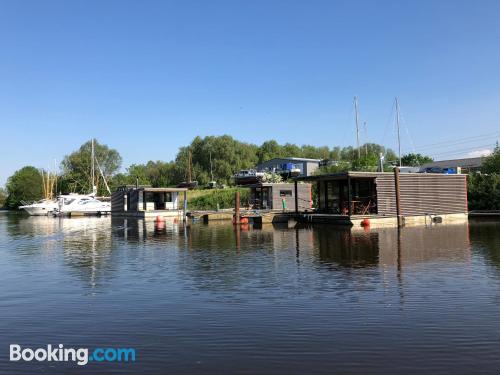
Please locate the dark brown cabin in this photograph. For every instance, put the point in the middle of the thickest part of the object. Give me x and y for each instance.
(272, 196)
(374, 193)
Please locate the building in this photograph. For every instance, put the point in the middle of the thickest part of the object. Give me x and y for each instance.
(351, 197)
(454, 166)
(145, 201)
(300, 166)
(280, 196)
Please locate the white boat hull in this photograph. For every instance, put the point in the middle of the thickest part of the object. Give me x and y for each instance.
(40, 208)
(37, 211)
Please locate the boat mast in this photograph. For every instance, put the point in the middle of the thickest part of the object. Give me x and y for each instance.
(93, 167)
(211, 169)
(366, 139)
(398, 128)
(189, 166)
(357, 124)
(102, 175)
(55, 177)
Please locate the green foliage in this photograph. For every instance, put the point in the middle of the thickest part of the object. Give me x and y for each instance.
(208, 199)
(491, 164)
(484, 191)
(24, 185)
(3, 197)
(77, 168)
(335, 167)
(227, 154)
(415, 160)
(367, 163)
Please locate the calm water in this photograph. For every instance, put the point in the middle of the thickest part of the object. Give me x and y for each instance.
(207, 299)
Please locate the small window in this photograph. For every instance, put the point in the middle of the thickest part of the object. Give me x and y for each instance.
(285, 193)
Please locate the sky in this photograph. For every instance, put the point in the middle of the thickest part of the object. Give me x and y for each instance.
(146, 77)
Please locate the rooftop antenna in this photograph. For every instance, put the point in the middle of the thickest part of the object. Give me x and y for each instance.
(398, 128)
(211, 169)
(93, 166)
(357, 124)
(189, 165)
(366, 139)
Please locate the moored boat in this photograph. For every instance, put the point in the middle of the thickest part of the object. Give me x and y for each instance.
(248, 176)
(40, 208)
(76, 204)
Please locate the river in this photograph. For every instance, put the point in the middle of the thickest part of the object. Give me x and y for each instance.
(209, 299)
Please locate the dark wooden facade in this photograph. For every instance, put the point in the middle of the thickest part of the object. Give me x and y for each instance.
(365, 193)
(270, 196)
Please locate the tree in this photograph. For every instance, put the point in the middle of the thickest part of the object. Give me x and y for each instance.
(3, 197)
(483, 191)
(415, 160)
(270, 150)
(491, 164)
(24, 185)
(228, 156)
(77, 175)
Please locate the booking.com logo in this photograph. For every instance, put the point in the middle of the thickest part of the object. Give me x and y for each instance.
(81, 356)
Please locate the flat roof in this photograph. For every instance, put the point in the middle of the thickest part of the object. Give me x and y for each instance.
(356, 174)
(164, 190)
(340, 175)
(154, 190)
(267, 184)
(453, 163)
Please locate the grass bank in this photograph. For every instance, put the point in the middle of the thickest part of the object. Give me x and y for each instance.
(209, 198)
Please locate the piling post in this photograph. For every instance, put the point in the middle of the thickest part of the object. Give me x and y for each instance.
(397, 187)
(349, 197)
(185, 205)
(296, 192)
(237, 208)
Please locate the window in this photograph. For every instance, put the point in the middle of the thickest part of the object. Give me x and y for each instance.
(285, 193)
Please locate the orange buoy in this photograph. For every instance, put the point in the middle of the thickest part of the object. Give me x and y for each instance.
(365, 223)
(160, 219)
(244, 220)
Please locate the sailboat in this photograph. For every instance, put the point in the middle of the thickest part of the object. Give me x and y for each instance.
(77, 204)
(190, 184)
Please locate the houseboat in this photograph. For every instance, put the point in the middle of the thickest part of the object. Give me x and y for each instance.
(387, 199)
(149, 202)
(280, 197)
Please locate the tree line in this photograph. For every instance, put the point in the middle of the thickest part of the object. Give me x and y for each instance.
(217, 156)
(484, 188)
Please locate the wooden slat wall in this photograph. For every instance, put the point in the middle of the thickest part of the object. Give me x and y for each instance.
(117, 201)
(134, 200)
(304, 196)
(423, 194)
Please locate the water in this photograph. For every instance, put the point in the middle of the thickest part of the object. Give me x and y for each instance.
(209, 300)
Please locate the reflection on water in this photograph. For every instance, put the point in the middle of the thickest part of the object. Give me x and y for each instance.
(214, 298)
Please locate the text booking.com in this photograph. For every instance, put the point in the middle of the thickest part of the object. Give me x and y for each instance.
(80, 356)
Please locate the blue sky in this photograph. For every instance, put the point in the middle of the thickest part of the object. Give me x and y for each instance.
(145, 77)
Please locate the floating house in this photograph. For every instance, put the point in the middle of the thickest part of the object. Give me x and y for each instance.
(296, 167)
(387, 199)
(280, 196)
(145, 201)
